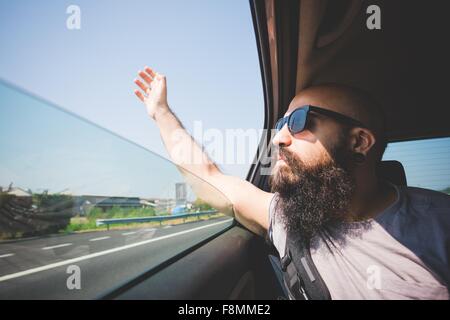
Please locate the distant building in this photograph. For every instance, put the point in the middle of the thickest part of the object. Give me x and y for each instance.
(180, 194)
(18, 192)
(122, 202)
(86, 202)
(164, 205)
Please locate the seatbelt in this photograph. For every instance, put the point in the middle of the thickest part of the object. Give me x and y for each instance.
(301, 278)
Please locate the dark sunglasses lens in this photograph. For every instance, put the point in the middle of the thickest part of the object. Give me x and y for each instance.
(280, 124)
(297, 120)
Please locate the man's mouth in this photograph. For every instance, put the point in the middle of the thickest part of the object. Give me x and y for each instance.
(281, 158)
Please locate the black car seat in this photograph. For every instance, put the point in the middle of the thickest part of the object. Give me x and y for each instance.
(393, 172)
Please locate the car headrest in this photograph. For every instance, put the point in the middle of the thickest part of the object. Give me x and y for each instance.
(393, 172)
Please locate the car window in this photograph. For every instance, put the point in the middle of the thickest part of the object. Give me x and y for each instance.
(426, 162)
(85, 209)
(79, 201)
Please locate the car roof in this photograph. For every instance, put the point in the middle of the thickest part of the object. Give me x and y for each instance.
(403, 65)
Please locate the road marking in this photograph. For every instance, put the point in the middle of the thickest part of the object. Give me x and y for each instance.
(6, 255)
(128, 233)
(151, 229)
(98, 239)
(102, 253)
(57, 246)
(167, 227)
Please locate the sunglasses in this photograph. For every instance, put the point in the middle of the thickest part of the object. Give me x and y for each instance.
(298, 118)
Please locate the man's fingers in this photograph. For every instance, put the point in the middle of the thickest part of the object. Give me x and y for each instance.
(139, 95)
(146, 77)
(141, 85)
(150, 72)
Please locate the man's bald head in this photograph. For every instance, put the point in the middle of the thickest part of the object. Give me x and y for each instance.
(348, 101)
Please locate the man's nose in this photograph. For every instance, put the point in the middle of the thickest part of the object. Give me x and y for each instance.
(283, 138)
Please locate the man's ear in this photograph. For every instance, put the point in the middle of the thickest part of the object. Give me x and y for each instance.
(361, 140)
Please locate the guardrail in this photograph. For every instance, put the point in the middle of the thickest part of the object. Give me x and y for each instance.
(160, 219)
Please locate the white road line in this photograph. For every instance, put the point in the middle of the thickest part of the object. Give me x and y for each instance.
(6, 255)
(102, 253)
(151, 229)
(167, 227)
(98, 239)
(128, 233)
(57, 246)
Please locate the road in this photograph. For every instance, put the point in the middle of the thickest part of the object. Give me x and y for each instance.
(38, 268)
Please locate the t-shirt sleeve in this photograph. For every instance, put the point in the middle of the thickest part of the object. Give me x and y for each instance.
(276, 232)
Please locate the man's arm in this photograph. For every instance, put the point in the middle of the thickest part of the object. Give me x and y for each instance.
(250, 204)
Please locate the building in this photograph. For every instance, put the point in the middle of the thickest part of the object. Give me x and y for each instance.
(180, 194)
(86, 202)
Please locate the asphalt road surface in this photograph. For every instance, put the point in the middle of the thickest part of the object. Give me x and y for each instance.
(39, 268)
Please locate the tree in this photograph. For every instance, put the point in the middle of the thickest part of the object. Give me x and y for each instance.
(446, 190)
(201, 205)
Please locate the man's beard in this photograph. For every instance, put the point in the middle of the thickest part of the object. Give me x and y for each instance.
(313, 198)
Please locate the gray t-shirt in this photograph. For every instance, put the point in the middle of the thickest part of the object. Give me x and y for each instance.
(392, 256)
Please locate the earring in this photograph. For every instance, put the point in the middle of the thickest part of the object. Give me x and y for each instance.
(359, 157)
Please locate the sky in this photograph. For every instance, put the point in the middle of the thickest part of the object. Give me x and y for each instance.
(207, 50)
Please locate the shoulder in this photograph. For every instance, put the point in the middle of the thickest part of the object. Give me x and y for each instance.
(420, 220)
(429, 199)
(426, 206)
(418, 208)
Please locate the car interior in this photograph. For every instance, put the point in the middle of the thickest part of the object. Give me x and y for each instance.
(302, 43)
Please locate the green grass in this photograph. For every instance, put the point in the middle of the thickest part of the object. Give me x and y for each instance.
(88, 223)
(80, 226)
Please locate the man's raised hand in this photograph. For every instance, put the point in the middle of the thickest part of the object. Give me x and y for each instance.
(153, 91)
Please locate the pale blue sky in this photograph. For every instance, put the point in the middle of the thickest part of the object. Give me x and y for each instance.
(206, 49)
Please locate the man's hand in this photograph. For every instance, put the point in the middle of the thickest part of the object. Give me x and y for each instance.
(154, 93)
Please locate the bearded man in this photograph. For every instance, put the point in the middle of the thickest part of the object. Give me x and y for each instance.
(326, 190)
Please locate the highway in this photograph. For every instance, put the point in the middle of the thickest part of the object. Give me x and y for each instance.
(38, 268)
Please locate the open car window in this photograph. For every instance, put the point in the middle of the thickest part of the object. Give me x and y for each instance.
(83, 210)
